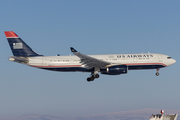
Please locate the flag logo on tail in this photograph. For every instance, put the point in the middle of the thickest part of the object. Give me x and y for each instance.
(17, 46)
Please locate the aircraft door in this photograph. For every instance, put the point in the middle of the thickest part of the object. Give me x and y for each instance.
(160, 58)
(44, 61)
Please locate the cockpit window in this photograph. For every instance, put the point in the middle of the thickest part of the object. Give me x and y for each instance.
(168, 57)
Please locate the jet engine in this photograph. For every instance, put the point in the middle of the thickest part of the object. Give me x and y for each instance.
(115, 70)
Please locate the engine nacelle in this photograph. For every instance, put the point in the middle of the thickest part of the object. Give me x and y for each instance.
(115, 70)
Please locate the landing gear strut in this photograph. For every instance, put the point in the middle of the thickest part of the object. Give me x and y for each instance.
(157, 73)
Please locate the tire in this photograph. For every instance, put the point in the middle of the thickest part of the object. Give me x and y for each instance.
(96, 76)
(157, 74)
(88, 79)
(92, 78)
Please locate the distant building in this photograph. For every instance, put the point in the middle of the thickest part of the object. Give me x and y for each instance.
(163, 116)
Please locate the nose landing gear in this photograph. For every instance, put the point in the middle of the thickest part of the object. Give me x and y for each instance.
(157, 73)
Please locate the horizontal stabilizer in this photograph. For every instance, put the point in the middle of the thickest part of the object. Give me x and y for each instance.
(18, 59)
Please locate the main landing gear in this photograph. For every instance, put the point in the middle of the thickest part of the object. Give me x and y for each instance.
(157, 73)
(92, 77)
(94, 74)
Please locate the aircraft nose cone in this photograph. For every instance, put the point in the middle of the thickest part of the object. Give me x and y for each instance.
(174, 61)
(171, 62)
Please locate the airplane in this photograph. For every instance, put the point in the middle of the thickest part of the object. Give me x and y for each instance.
(110, 64)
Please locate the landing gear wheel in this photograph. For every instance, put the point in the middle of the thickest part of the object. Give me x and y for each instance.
(157, 74)
(92, 78)
(88, 79)
(96, 76)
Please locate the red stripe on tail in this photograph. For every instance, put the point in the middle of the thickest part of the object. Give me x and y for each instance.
(10, 34)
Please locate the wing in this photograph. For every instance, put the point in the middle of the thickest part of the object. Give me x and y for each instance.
(88, 61)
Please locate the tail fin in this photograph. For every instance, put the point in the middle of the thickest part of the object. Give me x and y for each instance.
(18, 46)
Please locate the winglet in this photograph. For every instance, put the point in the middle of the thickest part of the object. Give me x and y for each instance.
(73, 50)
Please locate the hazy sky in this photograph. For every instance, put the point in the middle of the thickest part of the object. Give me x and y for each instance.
(91, 27)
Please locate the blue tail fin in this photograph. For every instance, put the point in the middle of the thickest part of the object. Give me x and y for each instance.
(18, 46)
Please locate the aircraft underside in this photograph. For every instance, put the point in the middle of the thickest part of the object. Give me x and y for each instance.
(93, 76)
(82, 69)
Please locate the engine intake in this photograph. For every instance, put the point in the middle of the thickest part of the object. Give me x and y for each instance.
(115, 70)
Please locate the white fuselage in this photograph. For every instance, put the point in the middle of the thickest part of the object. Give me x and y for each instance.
(133, 61)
